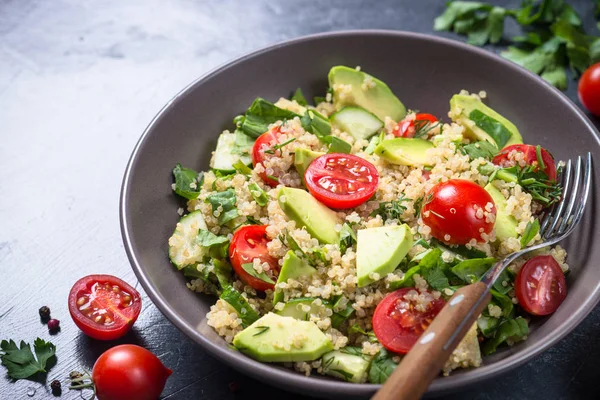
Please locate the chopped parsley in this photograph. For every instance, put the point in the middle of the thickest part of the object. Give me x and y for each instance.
(391, 209)
(187, 182)
(226, 200)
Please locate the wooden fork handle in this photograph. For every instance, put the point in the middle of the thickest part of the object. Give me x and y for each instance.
(427, 357)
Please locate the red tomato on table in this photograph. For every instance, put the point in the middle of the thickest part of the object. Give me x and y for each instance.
(341, 180)
(250, 242)
(398, 323)
(455, 211)
(530, 156)
(540, 285)
(104, 307)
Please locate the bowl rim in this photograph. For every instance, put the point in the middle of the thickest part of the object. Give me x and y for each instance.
(316, 385)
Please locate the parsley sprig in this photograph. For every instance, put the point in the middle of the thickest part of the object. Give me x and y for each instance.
(390, 209)
(20, 361)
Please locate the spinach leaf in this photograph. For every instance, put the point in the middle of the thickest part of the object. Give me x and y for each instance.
(487, 325)
(340, 316)
(298, 96)
(531, 230)
(483, 149)
(504, 277)
(249, 268)
(260, 115)
(226, 200)
(381, 367)
(316, 124)
(426, 264)
(187, 182)
(472, 270)
(217, 245)
(240, 304)
(339, 146)
(492, 127)
(504, 302)
(242, 144)
(511, 329)
(259, 195)
(347, 238)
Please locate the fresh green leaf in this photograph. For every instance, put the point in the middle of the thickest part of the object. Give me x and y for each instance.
(339, 146)
(483, 149)
(381, 367)
(217, 245)
(436, 278)
(242, 144)
(249, 268)
(340, 316)
(511, 329)
(487, 325)
(427, 263)
(504, 302)
(418, 204)
(259, 195)
(242, 168)
(472, 270)
(20, 361)
(260, 115)
(504, 277)
(407, 280)
(347, 238)
(462, 251)
(187, 182)
(273, 149)
(298, 96)
(225, 199)
(491, 126)
(357, 329)
(390, 209)
(353, 351)
(482, 22)
(316, 124)
(240, 304)
(531, 230)
(533, 181)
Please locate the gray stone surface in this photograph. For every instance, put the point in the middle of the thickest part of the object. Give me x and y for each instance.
(79, 81)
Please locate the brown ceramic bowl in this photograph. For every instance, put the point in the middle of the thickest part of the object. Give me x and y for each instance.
(186, 129)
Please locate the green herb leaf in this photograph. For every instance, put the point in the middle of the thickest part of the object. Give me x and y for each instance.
(187, 182)
(512, 329)
(483, 149)
(242, 168)
(240, 304)
(316, 124)
(482, 22)
(531, 230)
(226, 200)
(347, 238)
(382, 367)
(339, 146)
(20, 361)
(278, 146)
(504, 302)
(249, 268)
(390, 209)
(298, 96)
(242, 144)
(352, 350)
(217, 245)
(347, 375)
(259, 195)
(472, 270)
(261, 330)
(260, 115)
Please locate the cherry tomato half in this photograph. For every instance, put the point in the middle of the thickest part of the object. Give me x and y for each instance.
(540, 285)
(129, 372)
(504, 159)
(397, 322)
(407, 128)
(104, 307)
(341, 180)
(250, 242)
(589, 89)
(262, 151)
(455, 211)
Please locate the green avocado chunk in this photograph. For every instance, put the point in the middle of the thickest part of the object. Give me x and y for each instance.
(506, 224)
(405, 151)
(309, 213)
(303, 158)
(274, 338)
(380, 250)
(348, 364)
(363, 90)
(483, 123)
(293, 267)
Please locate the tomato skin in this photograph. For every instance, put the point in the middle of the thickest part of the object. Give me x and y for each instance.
(589, 89)
(397, 328)
(91, 287)
(530, 152)
(540, 285)
(264, 142)
(406, 128)
(250, 242)
(129, 372)
(450, 208)
(341, 181)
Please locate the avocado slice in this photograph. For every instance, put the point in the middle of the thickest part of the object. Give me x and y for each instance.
(483, 123)
(405, 151)
(293, 267)
(293, 308)
(506, 224)
(274, 338)
(348, 364)
(380, 250)
(365, 91)
(309, 213)
(303, 158)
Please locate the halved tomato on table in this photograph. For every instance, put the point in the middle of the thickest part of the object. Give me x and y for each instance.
(104, 307)
(408, 128)
(262, 150)
(399, 320)
(250, 242)
(341, 180)
(540, 285)
(543, 161)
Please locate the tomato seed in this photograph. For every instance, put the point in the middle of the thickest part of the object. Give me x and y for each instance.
(116, 289)
(81, 301)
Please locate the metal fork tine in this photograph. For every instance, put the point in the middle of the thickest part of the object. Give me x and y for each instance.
(554, 211)
(587, 183)
(574, 197)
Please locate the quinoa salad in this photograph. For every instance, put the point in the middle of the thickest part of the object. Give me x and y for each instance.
(332, 234)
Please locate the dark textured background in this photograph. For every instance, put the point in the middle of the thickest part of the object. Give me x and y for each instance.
(79, 81)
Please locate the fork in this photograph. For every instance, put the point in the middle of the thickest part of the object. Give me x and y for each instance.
(427, 357)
